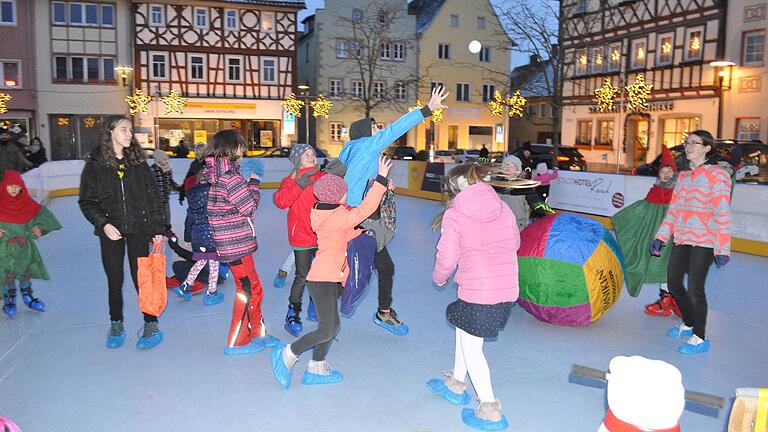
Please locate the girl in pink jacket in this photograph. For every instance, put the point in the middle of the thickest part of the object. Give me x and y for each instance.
(479, 234)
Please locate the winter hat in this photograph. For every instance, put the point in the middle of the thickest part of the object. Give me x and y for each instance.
(161, 160)
(297, 151)
(514, 160)
(334, 166)
(330, 189)
(667, 159)
(360, 128)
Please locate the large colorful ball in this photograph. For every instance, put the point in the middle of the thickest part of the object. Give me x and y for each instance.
(571, 270)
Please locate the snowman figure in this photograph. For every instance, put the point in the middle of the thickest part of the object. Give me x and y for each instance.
(643, 395)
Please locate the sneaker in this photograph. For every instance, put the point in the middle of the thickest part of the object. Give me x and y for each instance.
(280, 279)
(150, 337)
(450, 389)
(320, 372)
(680, 331)
(487, 416)
(183, 291)
(213, 298)
(281, 368)
(311, 314)
(254, 347)
(116, 335)
(694, 345)
(390, 322)
(293, 320)
(663, 306)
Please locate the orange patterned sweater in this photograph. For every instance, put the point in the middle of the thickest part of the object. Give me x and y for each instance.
(700, 211)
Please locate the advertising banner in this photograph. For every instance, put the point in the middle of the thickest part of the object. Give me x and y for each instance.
(585, 192)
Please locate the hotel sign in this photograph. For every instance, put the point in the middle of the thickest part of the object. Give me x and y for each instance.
(654, 107)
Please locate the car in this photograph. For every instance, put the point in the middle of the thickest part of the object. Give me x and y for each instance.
(399, 152)
(443, 156)
(284, 152)
(568, 158)
(461, 155)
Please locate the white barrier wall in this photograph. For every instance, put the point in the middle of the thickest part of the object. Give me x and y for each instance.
(749, 207)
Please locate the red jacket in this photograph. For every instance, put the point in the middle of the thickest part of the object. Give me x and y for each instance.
(299, 203)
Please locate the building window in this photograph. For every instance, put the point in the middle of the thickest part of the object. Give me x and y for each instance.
(382, 17)
(269, 70)
(638, 54)
(753, 48)
(107, 15)
(434, 84)
(357, 89)
(268, 22)
(462, 92)
(378, 89)
(93, 65)
(581, 63)
(665, 49)
(201, 18)
(357, 15)
(604, 133)
(60, 69)
(581, 7)
(675, 130)
(488, 92)
(156, 16)
(385, 51)
(357, 49)
(109, 69)
(694, 43)
(91, 15)
(400, 93)
(196, 67)
(11, 75)
(485, 54)
(230, 22)
(8, 12)
(542, 110)
(95, 70)
(76, 13)
(341, 48)
(598, 60)
(584, 132)
(614, 60)
(335, 88)
(335, 132)
(159, 66)
(444, 51)
(398, 51)
(481, 22)
(59, 13)
(234, 69)
(454, 20)
(748, 129)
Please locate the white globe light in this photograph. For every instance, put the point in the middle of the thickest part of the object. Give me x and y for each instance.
(475, 46)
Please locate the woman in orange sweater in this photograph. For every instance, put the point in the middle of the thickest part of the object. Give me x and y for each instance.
(334, 222)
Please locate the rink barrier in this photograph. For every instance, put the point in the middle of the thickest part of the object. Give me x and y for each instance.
(749, 207)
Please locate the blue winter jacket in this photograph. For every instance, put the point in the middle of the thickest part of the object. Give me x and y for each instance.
(197, 230)
(361, 155)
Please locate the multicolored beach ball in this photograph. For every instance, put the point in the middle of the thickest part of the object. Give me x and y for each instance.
(571, 270)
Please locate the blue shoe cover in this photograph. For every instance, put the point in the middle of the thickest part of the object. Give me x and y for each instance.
(438, 387)
(311, 314)
(116, 341)
(293, 322)
(279, 369)
(398, 330)
(694, 349)
(311, 379)
(268, 341)
(212, 299)
(33, 303)
(279, 282)
(10, 310)
(150, 342)
(223, 271)
(182, 292)
(252, 348)
(675, 332)
(470, 419)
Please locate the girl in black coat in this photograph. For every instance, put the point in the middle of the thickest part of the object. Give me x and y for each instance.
(119, 196)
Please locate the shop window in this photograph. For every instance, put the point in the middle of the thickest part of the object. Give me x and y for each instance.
(584, 133)
(604, 133)
(676, 130)
(748, 129)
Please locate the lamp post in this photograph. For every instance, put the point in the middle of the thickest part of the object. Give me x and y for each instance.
(720, 68)
(304, 92)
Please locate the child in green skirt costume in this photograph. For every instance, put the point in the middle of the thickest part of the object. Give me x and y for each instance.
(22, 221)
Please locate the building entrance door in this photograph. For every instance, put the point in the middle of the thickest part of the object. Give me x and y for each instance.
(636, 140)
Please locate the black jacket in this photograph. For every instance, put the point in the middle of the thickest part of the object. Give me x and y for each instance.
(132, 204)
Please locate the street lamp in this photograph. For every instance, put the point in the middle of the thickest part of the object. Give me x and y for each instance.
(720, 67)
(304, 92)
(123, 71)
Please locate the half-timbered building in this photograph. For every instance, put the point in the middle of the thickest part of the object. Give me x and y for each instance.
(669, 43)
(233, 60)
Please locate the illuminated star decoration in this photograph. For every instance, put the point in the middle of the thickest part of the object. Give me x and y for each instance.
(496, 105)
(138, 102)
(4, 99)
(89, 122)
(516, 104)
(293, 105)
(174, 103)
(606, 96)
(637, 94)
(321, 107)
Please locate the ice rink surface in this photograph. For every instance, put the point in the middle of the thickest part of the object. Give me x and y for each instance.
(57, 375)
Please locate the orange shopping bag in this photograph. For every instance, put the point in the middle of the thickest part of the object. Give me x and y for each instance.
(153, 295)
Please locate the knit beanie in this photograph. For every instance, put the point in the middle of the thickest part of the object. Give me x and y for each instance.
(514, 160)
(360, 128)
(297, 151)
(330, 189)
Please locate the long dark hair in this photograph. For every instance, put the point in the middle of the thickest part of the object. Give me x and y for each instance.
(228, 143)
(134, 154)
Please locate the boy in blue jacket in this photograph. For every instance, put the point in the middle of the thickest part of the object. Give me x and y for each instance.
(361, 154)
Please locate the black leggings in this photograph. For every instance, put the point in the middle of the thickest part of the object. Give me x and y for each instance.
(112, 257)
(694, 261)
(303, 262)
(385, 269)
(326, 297)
